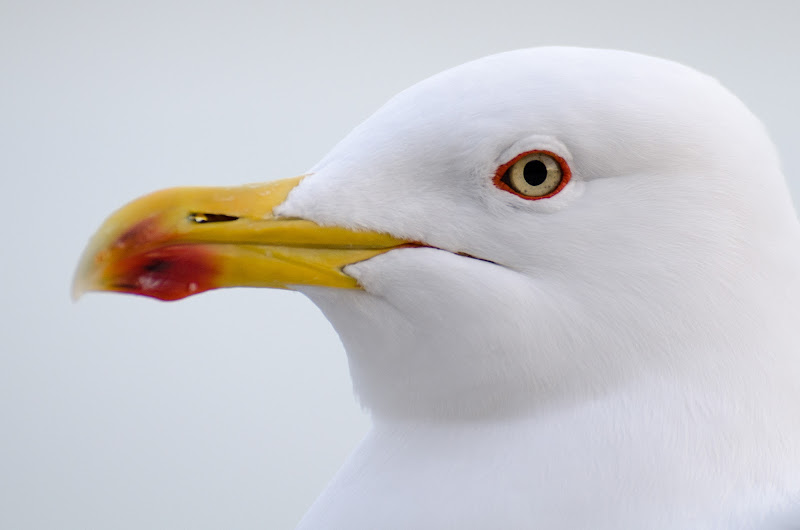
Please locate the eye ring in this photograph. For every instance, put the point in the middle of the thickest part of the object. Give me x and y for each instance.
(533, 175)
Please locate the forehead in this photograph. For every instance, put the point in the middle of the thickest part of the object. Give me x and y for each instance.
(606, 106)
(551, 88)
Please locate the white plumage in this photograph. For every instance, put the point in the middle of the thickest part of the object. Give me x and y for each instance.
(621, 355)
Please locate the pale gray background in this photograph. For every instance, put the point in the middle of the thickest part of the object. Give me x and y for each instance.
(232, 409)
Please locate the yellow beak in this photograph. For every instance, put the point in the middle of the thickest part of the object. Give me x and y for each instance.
(182, 241)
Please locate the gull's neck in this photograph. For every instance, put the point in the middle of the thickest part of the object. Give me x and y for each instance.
(649, 456)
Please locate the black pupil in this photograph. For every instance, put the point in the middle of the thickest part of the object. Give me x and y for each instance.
(535, 172)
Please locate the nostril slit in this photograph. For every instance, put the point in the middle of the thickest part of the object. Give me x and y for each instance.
(200, 218)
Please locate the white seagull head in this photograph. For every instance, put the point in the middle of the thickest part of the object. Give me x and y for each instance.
(657, 247)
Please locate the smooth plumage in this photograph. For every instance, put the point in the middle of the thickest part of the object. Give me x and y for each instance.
(568, 284)
(621, 355)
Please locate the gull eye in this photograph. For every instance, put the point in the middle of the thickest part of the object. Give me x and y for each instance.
(533, 175)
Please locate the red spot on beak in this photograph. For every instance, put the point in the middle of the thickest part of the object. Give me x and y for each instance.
(167, 273)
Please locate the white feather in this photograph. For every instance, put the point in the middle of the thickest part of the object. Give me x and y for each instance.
(627, 355)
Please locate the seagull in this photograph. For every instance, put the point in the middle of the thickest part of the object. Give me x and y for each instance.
(568, 284)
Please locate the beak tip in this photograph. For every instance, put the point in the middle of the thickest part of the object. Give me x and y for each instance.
(79, 287)
(82, 280)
